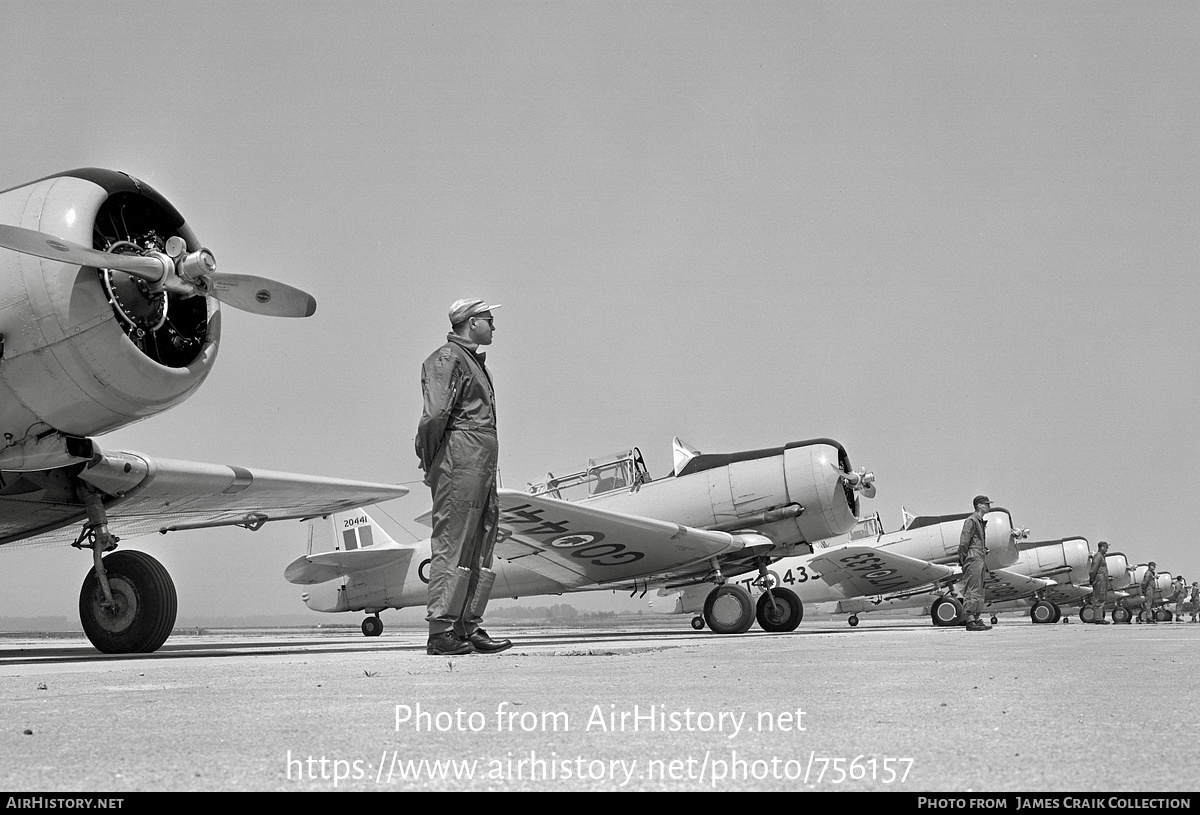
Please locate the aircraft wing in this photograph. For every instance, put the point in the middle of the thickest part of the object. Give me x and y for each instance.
(866, 570)
(143, 494)
(577, 545)
(1065, 594)
(1002, 585)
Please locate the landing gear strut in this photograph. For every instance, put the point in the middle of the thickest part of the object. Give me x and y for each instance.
(128, 603)
(779, 609)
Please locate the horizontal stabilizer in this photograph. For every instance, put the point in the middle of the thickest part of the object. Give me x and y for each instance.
(312, 569)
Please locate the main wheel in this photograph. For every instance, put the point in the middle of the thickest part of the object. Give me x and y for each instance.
(1087, 614)
(853, 621)
(1057, 612)
(946, 611)
(728, 609)
(1121, 614)
(144, 605)
(372, 627)
(782, 615)
(1042, 612)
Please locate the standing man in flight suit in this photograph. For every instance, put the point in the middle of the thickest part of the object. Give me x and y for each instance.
(1149, 592)
(1099, 581)
(972, 550)
(456, 443)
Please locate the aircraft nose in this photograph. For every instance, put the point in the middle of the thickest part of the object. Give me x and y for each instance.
(998, 536)
(815, 473)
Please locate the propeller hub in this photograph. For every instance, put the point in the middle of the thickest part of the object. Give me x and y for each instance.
(196, 265)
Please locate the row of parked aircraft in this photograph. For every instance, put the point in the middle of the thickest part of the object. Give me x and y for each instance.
(109, 313)
(728, 539)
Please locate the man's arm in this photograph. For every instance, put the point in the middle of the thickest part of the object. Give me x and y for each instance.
(440, 379)
(964, 540)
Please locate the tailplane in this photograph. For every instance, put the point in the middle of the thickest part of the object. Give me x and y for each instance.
(341, 544)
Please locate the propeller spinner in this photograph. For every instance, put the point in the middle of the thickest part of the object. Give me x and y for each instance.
(186, 274)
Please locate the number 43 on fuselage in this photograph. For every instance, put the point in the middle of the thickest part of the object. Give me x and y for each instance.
(611, 526)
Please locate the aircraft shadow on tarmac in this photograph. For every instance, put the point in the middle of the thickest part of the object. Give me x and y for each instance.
(233, 645)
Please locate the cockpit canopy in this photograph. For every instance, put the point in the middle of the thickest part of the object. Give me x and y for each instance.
(617, 471)
(869, 527)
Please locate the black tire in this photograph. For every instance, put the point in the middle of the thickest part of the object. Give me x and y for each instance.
(372, 627)
(1121, 615)
(145, 600)
(946, 611)
(698, 623)
(994, 619)
(783, 615)
(1087, 614)
(1057, 612)
(1042, 612)
(728, 609)
(853, 621)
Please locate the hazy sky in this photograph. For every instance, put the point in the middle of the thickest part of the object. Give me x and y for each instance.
(959, 238)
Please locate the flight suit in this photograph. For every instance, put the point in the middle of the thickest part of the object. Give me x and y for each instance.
(456, 443)
(972, 550)
(1149, 593)
(1099, 581)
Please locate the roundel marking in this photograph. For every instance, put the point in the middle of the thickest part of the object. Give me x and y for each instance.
(578, 539)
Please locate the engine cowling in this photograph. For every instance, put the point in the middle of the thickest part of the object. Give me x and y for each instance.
(86, 351)
(1118, 570)
(1001, 537)
(1066, 560)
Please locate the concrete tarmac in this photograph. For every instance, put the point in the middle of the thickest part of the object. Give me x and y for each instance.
(885, 706)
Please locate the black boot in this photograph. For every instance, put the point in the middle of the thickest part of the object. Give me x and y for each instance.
(485, 644)
(448, 644)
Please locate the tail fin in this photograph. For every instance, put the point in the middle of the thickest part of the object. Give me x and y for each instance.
(340, 544)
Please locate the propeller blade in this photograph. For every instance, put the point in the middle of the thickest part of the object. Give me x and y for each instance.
(258, 295)
(30, 242)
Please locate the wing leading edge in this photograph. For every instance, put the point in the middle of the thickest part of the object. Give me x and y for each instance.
(144, 494)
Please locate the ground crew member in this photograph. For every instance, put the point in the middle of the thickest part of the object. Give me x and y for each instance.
(1194, 599)
(972, 549)
(1149, 592)
(1099, 580)
(1180, 595)
(456, 443)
